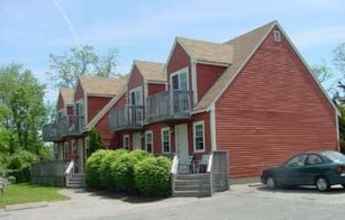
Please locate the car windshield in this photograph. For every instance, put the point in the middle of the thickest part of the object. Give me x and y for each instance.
(334, 156)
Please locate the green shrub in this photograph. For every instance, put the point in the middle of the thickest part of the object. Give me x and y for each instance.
(21, 175)
(122, 170)
(104, 169)
(152, 176)
(93, 164)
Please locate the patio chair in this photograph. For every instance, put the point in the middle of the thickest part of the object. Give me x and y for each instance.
(185, 165)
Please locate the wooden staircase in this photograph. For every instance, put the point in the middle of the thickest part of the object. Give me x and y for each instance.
(195, 185)
(214, 179)
(75, 181)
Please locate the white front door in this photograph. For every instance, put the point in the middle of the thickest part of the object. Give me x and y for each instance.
(181, 141)
(136, 140)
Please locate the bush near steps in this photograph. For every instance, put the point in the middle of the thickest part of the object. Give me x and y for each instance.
(131, 172)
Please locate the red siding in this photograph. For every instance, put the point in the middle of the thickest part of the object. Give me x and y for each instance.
(136, 79)
(79, 93)
(106, 134)
(154, 88)
(95, 104)
(179, 59)
(272, 110)
(195, 118)
(157, 143)
(206, 77)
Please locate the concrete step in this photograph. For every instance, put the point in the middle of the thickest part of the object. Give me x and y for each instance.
(192, 187)
(192, 177)
(191, 193)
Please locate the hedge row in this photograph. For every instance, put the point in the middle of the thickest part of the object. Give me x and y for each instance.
(131, 172)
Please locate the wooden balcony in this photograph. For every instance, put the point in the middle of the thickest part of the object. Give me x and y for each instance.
(168, 106)
(63, 126)
(76, 125)
(127, 118)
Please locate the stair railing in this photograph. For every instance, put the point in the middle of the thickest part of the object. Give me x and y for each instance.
(174, 166)
(69, 171)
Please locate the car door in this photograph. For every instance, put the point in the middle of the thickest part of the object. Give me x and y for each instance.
(314, 166)
(292, 173)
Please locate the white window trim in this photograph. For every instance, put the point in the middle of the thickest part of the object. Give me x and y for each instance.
(136, 89)
(145, 140)
(162, 139)
(203, 136)
(277, 36)
(123, 141)
(178, 72)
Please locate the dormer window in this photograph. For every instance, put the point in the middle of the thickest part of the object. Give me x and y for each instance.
(179, 80)
(277, 36)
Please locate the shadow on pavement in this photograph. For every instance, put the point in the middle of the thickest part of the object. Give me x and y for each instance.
(121, 196)
(303, 189)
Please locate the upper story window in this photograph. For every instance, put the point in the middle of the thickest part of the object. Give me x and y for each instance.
(165, 134)
(125, 141)
(148, 141)
(199, 136)
(179, 80)
(135, 96)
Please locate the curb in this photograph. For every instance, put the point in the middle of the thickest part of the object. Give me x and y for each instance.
(17, 207)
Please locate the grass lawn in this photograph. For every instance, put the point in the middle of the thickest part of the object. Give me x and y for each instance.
(24, 192)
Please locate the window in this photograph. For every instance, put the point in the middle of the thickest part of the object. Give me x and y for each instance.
(199, 136)
(314, 159)
(277, 36)
(135, 97)
(165, 133)
(125, 141)
(297, 161)
(179, 80)
(149, 141)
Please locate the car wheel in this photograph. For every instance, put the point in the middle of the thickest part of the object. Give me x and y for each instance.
(322, 184)
(270, 182)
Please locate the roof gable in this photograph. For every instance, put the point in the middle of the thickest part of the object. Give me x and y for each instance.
(151, 71)
(99, 86)
(206, 51)
(244, 48)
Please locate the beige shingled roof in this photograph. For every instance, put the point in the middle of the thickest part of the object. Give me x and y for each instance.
(67, 95)
(205, 51)
(243, 46)
(151, 71)
(102, 86)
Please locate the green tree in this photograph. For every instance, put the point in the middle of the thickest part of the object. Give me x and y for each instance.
(65, 69)
(95, 142)
(22, 110)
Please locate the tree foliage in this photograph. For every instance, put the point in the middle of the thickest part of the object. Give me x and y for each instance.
(95, 142)
(65, 69)
(22, 114)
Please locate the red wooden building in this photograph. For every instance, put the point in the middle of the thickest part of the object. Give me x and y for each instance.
(253, 96)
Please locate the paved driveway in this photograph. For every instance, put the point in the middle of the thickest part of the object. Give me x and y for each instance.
(241, 202)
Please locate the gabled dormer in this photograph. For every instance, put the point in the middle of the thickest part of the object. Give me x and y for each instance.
(196, 65)
(145, 79)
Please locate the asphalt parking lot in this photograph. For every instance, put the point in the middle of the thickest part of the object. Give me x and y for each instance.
(241, 202)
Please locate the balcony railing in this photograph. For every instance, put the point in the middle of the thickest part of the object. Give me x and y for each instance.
(168, 105)
(126, 118)
(63, 126)
(76, 124)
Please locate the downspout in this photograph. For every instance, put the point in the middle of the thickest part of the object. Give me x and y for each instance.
(212, 111)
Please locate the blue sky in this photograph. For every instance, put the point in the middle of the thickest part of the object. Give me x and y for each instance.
(32, 29)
